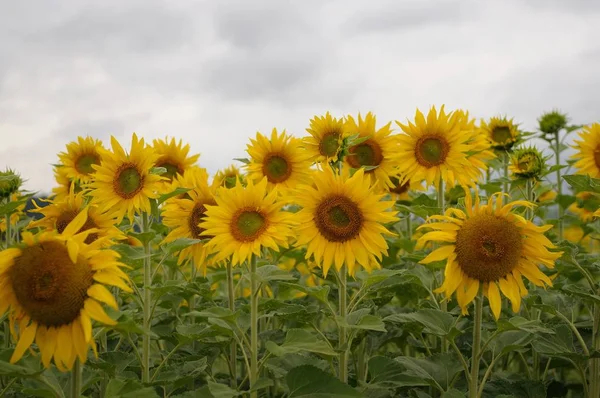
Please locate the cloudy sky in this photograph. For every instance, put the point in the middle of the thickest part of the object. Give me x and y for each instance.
(215, 72)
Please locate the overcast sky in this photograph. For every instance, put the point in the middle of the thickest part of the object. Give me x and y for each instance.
(215, 72)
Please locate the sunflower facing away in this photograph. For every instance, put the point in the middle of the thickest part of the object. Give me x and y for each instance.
(437, 148)
(123, 183)
(341, 221)
(489, 246)
(174, 157)
(184, 215)
(326, 136)
(65, 184)
(379, 153)
(228, 177)
(588, 151)
(79, 159)
(245, 220)
(59, 213)
(280, 159)
(502, 133)
(53, 286)
(585, 207)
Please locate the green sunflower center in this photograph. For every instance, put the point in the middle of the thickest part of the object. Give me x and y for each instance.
(128, 181)
(488, 247)
(338, 218)
(84, 163)
(67, 216)
(501, 135)
(48, 285)
(248, 224)
(329, 144)
(367, 153)
(276, 168)
(172, 169)
(431, 151)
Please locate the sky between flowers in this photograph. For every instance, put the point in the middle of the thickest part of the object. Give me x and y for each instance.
(215, 72)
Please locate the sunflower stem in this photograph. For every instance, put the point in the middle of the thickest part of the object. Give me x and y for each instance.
(441, 199)
(233, 346)
(475, 356)
(530, 198)
(76, 379)
(147, 302)
(253, 327)
(561, 211)
(343, 312)
(505, 188)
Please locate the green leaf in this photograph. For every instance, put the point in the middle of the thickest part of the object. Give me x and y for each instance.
(310, 382)
(438, 370)
(565, 200)
(321, 293)
(453, 393)
(11, 370)
(583, 183)
(221, 390)
(243, 160)
(176, 192)
(387, 373)
(158, 170)
(144, 237)
(121, 388)
(10, 207)
(525, 325)
(360, 319)
(179, 244)
(268, 273)
(580, 292)
(434, 321)
(215, 312)
(377, 276)
(300, 340)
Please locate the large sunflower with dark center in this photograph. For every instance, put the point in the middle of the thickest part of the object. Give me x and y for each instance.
(587, 157)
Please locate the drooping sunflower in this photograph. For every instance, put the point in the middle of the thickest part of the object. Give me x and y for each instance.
(502, 133)
(245, 220)
(123, 183)
(341, 220)
(438, 148)
(79, 159)
(588, 151)
(57, 214)
(379, 152)
(326, 136)
(281, 159)
(228, 177)
(184, 216)
(174, 157)
(65, 184)
(53, 286)
(489, 246)
(585, 206)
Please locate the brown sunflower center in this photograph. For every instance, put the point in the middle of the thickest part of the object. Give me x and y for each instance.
(248, 224)
(128, 181)
(488, 247)
(329, 144)
(398, 187)
(597, 156)
(84, 163)
(48, 285)
(67, 216)
(196, 217)
(367, 153)
(172, 168)
(276, 167)
(338, 219)
(431, 151)
(501, 134)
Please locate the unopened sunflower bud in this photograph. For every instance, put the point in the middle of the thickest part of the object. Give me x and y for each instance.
(527, 163)
(550, 123)
(10, 183)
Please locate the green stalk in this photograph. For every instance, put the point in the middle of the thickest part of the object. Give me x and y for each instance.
(343, 312)
(505, 188)
(561, 211)
(441, 199)
(478, 317)
(233, 346)
(76, 379)
(253, 327)
(147, 302)
(529, 192)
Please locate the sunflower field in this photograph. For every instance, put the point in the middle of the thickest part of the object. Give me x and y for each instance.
(436, 257)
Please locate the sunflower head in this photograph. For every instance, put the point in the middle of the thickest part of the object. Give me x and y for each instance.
(279, 159)
(547, 196)
(527, 163)
(10, 183)
(587, 157)
(52, 286)
(585, 206)
(489, 247)
(550, 123)
(80, 158)
(65, 184)
(502, 133)
(228, 177)
(326, 136)
(173, 156)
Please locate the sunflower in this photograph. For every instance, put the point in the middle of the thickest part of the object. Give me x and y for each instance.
(341, 220)
(245, 220)
(502, 133)
(280, 159)
(65, 184)
(527, 163)
(53, 286)
(548, 195)
(57, 214)
(481, 152)
(585, 206)
(10, 183)
(326, 136)
(438, 149)
(400, 189)
(123, 182)
(184, 215)
(174, 157)
(79, 159)
(491, 246)
(228, 177)
(379, 151)
(588, 151)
